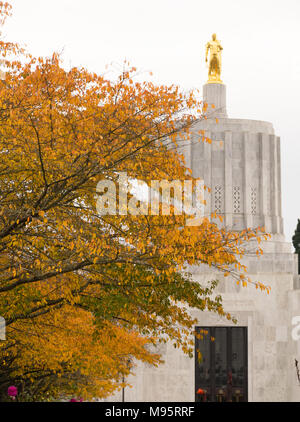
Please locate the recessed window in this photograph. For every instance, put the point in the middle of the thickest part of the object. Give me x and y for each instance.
(221, 364)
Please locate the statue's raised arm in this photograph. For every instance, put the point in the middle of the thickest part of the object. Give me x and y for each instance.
(215, 60)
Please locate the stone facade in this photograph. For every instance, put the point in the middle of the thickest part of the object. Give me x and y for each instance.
(242, 168)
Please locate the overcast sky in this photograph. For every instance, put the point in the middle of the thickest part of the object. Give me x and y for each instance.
(261, 56)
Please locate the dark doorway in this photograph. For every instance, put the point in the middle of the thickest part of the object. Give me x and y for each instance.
(221, 371)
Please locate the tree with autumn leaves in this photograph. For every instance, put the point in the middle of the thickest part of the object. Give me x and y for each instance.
(84, 295)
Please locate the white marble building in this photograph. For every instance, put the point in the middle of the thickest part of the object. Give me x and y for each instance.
(244, 174)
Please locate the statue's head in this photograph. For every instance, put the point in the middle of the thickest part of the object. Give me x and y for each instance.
(214, 37)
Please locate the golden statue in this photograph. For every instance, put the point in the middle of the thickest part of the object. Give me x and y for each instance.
(214, 66)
